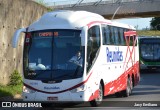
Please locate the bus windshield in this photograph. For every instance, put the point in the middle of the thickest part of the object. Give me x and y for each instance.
(150, 49)
(53, 55)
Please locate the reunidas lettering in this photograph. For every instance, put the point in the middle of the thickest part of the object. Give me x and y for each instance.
(51, 88)
(114, 56)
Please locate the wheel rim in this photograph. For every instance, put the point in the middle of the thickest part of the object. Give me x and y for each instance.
(131, 85)
(100, 94)
(128, 87)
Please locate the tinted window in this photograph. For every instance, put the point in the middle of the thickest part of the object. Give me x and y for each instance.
(93, 45)
(116, 35)
(122, 39)
(50, 54)
(112, 35)
(106, 35)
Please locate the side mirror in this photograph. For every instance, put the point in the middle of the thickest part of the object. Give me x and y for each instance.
(16, 37)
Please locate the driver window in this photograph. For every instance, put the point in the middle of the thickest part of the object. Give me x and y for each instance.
(93, 45)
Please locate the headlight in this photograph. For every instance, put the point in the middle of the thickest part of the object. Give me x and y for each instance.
(79, 89)
(27, 90)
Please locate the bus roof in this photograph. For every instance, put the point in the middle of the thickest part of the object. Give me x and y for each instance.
(65, 19)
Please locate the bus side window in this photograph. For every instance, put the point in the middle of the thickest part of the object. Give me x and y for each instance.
(119, 37)
(105, 35)
(112, 35)
(123, 42)
(93, 45)
(110, 42)
(116, 36)
(133, 40)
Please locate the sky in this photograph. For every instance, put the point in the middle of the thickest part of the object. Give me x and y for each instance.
(140, 23)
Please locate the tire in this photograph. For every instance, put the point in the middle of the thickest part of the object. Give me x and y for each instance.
(119, 94)
(131, 85)
(128, 90)
(96, 102)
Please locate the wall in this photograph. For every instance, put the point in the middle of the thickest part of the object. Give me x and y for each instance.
(14, 14)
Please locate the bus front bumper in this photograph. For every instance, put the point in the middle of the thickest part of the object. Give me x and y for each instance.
(152, 67)
(60, 97)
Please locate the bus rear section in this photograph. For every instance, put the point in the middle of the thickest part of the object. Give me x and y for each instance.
(149, 48)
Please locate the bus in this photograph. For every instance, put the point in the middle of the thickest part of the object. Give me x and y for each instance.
(149, 49)
(78, 56)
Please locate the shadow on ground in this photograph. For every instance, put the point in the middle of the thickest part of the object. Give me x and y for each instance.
(5, 95)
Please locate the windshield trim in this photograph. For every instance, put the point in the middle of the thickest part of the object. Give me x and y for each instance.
(52, 69)
(152, 56)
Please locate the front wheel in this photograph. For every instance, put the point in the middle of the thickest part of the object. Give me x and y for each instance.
(96, 102)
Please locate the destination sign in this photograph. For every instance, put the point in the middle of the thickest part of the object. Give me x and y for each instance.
(48, 34)
(45, 34)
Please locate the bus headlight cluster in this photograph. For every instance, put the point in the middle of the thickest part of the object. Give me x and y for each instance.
(79, 89)
(28, 90)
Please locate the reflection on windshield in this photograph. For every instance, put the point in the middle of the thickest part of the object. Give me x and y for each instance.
(51, 56)
(150, 52)
(77, 59)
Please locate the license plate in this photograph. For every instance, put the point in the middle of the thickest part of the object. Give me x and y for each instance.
(52, 98)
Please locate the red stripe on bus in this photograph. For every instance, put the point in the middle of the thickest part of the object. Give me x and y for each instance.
(130, 33)
(119, 84)
(94, 22)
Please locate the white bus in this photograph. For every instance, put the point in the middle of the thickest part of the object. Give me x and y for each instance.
(78, 56)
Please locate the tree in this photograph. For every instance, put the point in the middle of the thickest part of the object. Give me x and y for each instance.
(45, 4)
(155, 23)
(42, 2)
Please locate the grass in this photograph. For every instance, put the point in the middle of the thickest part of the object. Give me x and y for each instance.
(148, 33)
(14, 86)
(10, 90)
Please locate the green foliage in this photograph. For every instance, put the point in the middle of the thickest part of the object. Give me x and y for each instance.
(49, 9)
(14, 86)
(10, 90)
(148, 33)
(41, 2)
(15, 78)
(155, 23)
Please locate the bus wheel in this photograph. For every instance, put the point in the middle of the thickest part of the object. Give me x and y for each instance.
(131, 85)
(127, 91)
(96, 102)
(119, 94)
